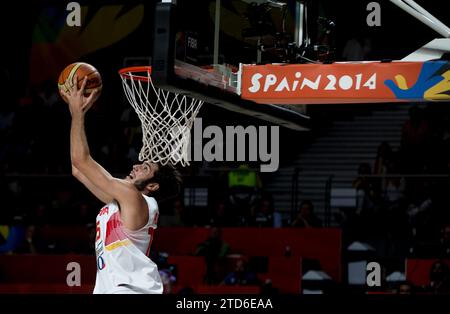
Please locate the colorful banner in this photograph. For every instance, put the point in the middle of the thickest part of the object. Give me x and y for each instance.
(56, 44)
(368, 82)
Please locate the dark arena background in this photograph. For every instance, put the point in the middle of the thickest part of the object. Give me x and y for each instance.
(359, 203)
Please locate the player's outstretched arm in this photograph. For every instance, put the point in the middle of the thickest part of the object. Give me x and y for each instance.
(85, 103)
(132, 204)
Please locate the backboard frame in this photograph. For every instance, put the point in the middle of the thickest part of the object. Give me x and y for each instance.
(181, 78)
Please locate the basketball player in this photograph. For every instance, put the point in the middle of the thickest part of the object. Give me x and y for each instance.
(125, 225)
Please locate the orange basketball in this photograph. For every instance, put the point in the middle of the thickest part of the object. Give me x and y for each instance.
(81, 69)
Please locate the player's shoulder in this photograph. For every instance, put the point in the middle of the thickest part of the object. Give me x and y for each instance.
(151, 201)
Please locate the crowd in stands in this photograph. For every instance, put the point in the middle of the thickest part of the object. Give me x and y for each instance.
(402, 197)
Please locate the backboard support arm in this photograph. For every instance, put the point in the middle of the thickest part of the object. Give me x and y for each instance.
(423, 15)
(300, 11)
(217, 32)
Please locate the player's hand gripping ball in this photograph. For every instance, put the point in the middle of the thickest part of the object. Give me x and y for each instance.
(80, 70)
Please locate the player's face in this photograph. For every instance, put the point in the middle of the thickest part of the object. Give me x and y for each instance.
(142, 172)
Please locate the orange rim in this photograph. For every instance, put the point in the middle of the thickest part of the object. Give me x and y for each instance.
(133, 73)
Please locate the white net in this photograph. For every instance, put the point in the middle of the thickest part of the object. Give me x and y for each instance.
(166, 118)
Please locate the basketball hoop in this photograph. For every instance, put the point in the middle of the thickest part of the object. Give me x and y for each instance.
(166, 117)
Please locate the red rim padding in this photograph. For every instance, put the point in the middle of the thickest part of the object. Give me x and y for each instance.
(125, 73)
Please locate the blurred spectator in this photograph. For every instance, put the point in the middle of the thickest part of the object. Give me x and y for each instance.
(366, 189)
(244, 176)
(439, 278)
(241, 275)
(415, 136)
(393, 188)
(445, 241)
(405, 287)
(262, 215)
(32, 243)
(306, 217)
(440, 248)
(420, 212)
(167, 280)
(221, 216)
(214, 249)
(384, 155)
(244, 187)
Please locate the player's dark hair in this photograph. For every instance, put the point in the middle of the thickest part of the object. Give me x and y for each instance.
(169, 180)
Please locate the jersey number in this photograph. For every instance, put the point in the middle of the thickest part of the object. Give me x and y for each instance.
(97, 231)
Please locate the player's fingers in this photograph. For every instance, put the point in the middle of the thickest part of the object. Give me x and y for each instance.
(90, 100)
(64, 93)
(83, 85)
(75, 83)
